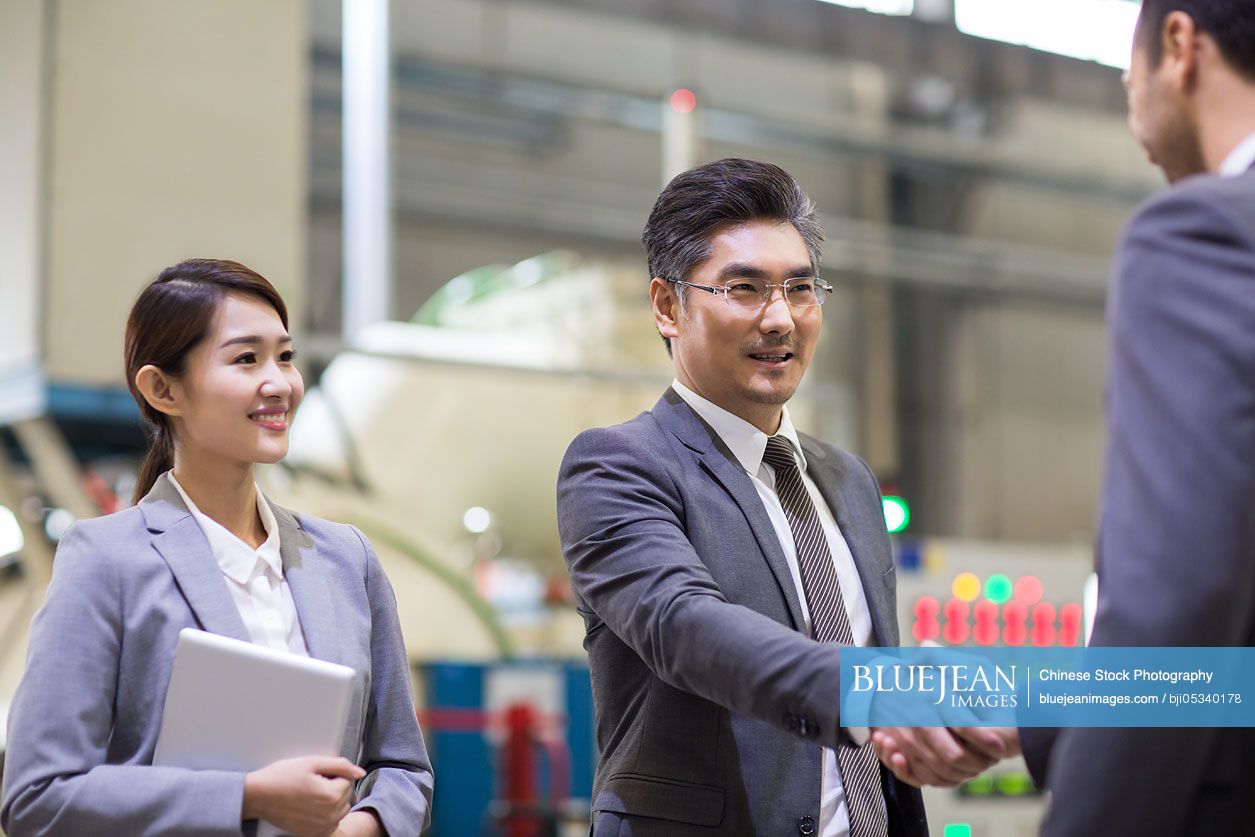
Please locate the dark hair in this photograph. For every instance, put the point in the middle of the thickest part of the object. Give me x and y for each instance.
(170, 318)
(1231, 23)
(696, 203)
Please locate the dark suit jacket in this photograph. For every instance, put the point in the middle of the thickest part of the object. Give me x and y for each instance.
(1176, 546)
(711, 702)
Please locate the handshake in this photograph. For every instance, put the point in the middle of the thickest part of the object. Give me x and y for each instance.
(943, 756)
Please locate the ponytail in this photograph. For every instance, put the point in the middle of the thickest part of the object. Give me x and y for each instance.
(160, 458)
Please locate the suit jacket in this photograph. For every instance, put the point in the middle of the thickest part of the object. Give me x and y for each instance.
(84, 722)
(712, 702)
(1176, 545)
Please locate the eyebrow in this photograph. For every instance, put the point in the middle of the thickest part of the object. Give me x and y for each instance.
(253, 339)
(748, 271)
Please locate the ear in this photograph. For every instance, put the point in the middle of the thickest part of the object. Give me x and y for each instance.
(666, 304)
(1179, 42)
(159, 390)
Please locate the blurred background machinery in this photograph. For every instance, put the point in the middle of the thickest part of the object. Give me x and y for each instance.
(972, 170)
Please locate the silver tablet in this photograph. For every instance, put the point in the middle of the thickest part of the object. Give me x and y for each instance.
(233, 705)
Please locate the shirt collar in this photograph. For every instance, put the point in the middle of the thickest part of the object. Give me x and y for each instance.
(237, 559)
(1240, 158)
(746, 441)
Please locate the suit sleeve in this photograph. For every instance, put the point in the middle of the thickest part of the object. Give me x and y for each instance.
(399, 780)
(622, 527)
(1176, 547)
(56, 779)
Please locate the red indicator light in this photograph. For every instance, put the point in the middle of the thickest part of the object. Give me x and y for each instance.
(683, 101)
(1014, 619)
(926, 625)
(957, 629)
(1071, 619)
(1044, 624)
(986, 631)
(1028, 590)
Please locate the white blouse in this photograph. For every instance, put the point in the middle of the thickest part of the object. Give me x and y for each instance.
(255, 578)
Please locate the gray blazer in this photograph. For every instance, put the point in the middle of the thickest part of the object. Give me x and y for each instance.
(711, 702)
(1176, 545)
(84, 721)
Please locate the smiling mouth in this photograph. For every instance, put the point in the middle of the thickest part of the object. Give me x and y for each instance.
(772, 357)
(272, 421)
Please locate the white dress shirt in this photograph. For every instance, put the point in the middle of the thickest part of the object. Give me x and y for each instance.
(1240, 158)
(748, 444)
(255, 578)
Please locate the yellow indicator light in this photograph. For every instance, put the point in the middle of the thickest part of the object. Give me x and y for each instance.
(966, 587)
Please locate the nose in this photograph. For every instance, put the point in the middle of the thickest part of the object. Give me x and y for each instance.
(777, 316)
(275, 383)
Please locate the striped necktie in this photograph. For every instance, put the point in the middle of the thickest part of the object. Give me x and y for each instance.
(860, 770)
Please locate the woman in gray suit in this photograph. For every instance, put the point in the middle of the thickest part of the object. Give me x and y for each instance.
(210, 363)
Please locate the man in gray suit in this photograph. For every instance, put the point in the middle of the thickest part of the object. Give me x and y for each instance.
(1176, 546)
(720, 558)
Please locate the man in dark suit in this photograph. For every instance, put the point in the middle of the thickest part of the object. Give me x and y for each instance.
(1176, 545)
(720, 558)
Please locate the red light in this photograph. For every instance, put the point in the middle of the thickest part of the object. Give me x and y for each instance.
(1014, 630)
(1028, 590)
(956, 630)
(1044, 624)
(986, 631)
(1070, 620)
(683, 101)
(926, 624)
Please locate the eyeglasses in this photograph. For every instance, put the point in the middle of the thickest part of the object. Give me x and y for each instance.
(804, 292)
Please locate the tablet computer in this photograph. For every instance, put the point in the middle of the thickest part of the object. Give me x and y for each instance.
(233, 705)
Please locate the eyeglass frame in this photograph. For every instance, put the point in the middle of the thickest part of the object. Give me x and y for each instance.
(767, 289)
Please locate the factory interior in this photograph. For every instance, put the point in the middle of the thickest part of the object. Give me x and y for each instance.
(449, 194)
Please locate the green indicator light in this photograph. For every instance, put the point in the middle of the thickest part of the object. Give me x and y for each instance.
(1014, 784)
(957, 829)
(980, 786)
(998, 589)
(897, 513)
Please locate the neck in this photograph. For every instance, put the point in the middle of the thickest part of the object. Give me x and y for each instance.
(766, 417)
(224, 491)
(1230, 120)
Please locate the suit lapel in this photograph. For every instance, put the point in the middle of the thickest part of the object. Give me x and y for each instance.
(715, 458)
(305, 569)
(836, 487)
(178, 538)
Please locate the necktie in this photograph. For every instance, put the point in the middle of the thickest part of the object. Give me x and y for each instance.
(860, 770)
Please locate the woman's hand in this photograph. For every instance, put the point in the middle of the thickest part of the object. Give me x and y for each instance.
(307, 797)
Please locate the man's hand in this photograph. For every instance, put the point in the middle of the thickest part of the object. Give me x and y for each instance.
(995, 742)
(307, 797)
(934, 755)
(359, 824)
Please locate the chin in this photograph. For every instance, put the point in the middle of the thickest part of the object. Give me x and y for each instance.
(270, 454)
(775, 395)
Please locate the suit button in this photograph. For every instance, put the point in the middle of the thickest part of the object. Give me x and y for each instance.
(792, 723)
(806, 826)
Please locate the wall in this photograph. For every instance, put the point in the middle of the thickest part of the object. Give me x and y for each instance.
(178, 130)
(21, 112)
